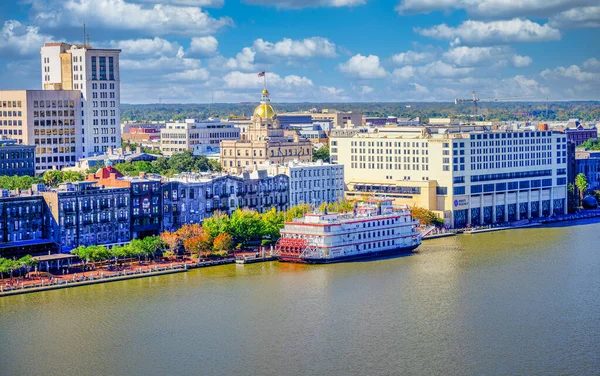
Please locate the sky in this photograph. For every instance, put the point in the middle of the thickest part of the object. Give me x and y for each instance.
(198, 51)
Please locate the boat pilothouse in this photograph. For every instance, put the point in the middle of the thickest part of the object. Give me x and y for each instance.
(374, 228)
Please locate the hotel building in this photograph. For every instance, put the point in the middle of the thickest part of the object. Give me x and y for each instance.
(50, 120)
(95, 73)
(468, 175)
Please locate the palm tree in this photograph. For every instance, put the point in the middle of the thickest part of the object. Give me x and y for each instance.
(582, 184)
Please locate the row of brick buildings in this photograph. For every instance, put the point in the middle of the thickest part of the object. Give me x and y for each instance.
(109, 208)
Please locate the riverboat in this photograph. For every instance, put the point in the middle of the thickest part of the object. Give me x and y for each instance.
(374, 228)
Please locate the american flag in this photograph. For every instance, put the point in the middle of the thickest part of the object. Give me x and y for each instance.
(261, 74)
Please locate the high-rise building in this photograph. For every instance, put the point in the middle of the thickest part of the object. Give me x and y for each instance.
(468, 175)
(95, 73)
(50, 120)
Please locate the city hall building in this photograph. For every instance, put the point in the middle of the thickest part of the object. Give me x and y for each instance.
(468, 175)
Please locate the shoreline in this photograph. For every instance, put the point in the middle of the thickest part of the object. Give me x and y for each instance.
(184, 267)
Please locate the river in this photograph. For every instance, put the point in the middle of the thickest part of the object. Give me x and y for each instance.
(519, 302)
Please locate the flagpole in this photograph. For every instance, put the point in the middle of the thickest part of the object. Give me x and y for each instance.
(265, 76)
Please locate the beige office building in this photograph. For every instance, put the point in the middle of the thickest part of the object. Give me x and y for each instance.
(339, 119)
(48, 119)
(468, 176)
(265, 141)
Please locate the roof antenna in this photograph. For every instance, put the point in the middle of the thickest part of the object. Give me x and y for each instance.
(84, 34)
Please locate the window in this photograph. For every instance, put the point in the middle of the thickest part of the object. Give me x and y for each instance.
(459, 190)
(441, 190)
(476, 189)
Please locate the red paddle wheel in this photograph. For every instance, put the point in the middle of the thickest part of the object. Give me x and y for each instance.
(290, 249)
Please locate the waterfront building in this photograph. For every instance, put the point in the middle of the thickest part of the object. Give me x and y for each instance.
(95, 73)
(50, 120)
(85, 214)
(22, 229)
(16, 159)
(265, 141)
(480, 176)
(312, 182)
(182, 136)
(146, 198)
(192, 197)
(587, 162)
(261, 191)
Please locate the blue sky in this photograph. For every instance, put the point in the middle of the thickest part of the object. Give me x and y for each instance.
(184, 51)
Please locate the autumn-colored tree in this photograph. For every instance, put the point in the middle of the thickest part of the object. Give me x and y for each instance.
(425, 217)
(223, 243)
(297, 211)
(188, 231)
(171, 240)
(198, 244)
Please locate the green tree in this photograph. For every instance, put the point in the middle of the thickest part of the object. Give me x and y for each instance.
(161, 165)
(53, 178)
(245, 225)
(322, 153)
(18, 182)
(217, 224)
(72, 176)
(591, 144)
(582, 184)
(272, 222)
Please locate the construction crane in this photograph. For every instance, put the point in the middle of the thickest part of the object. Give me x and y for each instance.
(476, 100)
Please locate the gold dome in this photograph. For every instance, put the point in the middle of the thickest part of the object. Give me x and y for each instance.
(265, 91)
(264, 110)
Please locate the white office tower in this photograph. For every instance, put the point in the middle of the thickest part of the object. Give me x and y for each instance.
(95, 73)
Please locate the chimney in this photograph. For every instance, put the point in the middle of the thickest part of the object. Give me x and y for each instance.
(138, 149)
(128, 150)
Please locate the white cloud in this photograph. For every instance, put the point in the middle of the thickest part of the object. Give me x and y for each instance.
(161, 64)
(158, 19)
(197, 3)
(363, 89)
(436, 69)
(494, 32)
(204, 46)
(146, 46)
(244, 60)
(493, 8)
(419, 89)
(592, 64)
(299, 4)
(412, 57)
(333, 93)
(240, 80)
(584, 17)
(16, 38)
(305, 48)
(200, 74)
(363, 67)
(572, 72)
(521, 61)
(482, 56)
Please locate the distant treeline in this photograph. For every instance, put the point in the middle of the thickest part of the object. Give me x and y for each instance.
(493, 111)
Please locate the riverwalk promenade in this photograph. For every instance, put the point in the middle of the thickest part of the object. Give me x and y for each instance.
(35, 283)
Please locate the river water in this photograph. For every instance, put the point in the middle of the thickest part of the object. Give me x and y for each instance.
(519, 302)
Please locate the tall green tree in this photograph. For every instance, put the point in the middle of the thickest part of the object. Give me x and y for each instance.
(582, 184)
(272, 222)
(217, 224)
(322, 153)
(53, 178)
